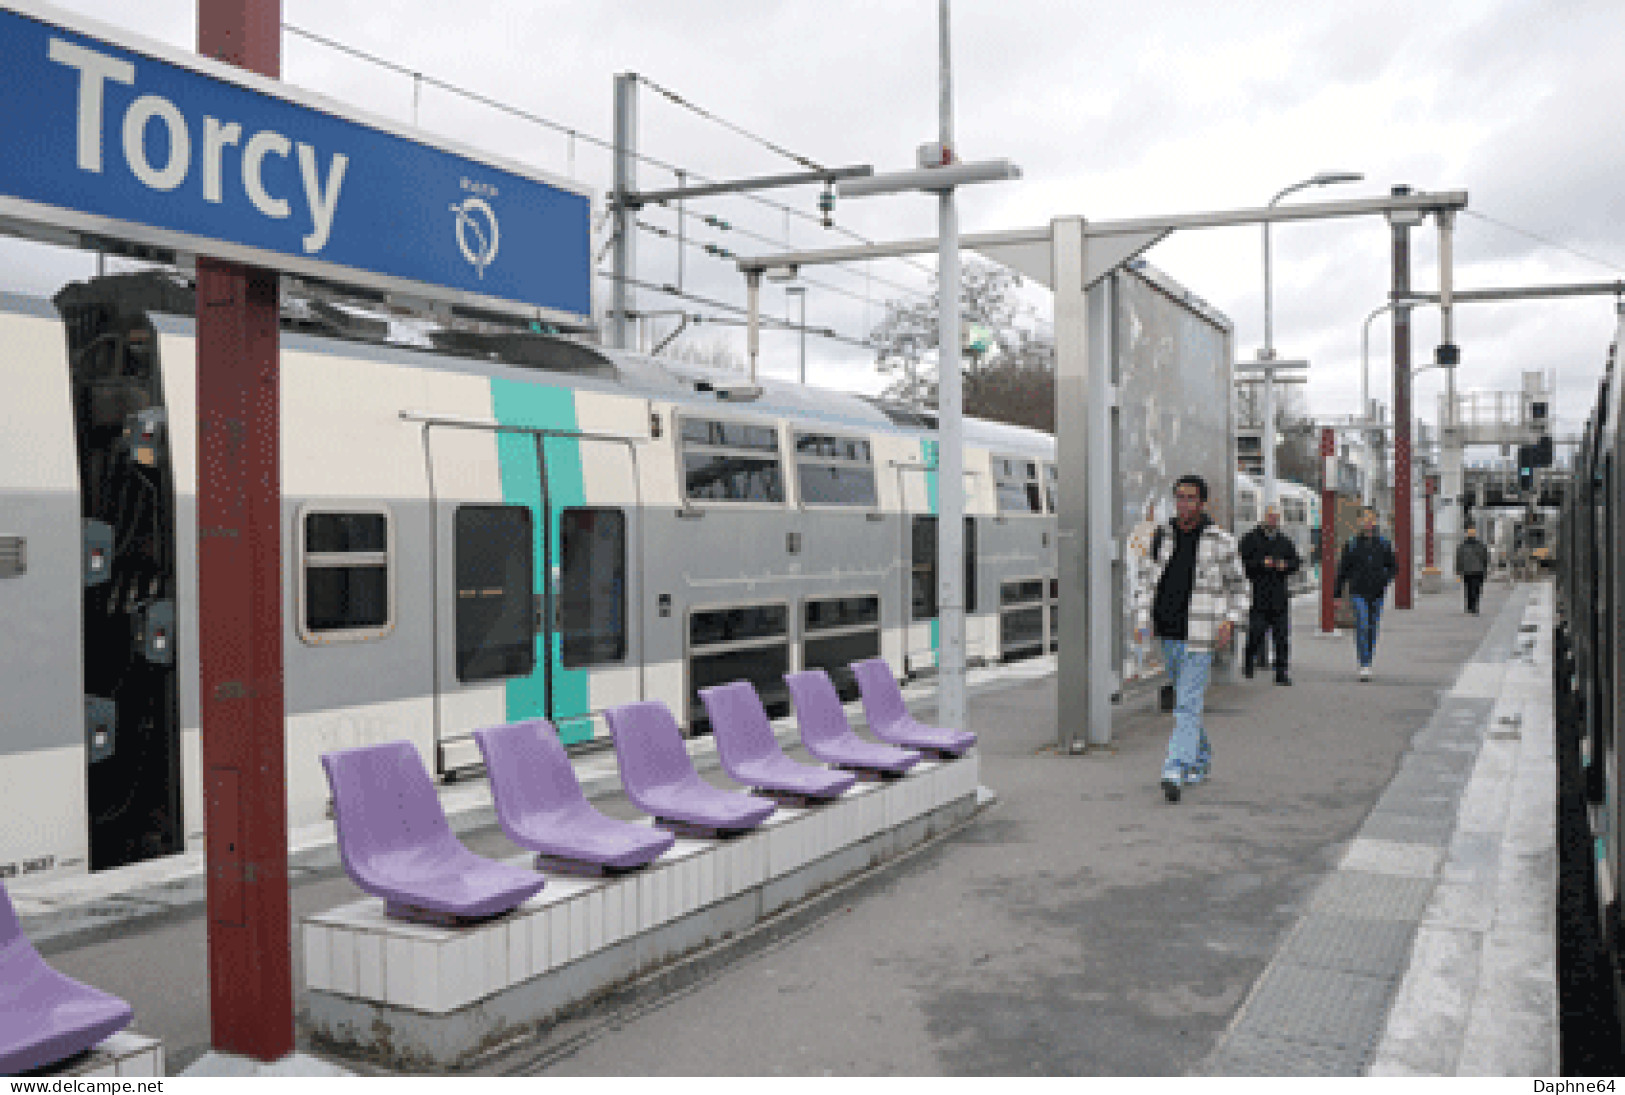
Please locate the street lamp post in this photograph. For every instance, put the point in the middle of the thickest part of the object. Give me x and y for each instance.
(1267, 354)
(800, 293)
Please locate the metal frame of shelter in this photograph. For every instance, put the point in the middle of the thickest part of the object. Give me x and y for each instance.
(1072, 256)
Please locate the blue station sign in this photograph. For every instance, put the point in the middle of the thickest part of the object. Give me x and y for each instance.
(110, 137)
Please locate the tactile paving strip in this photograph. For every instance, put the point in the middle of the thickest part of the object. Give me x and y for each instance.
(1371, 948)
(1326, 1007)
(1251, 1054)
(1369, 896)
(1408, 828)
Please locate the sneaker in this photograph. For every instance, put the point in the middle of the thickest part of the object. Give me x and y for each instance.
(1365, 672)
(1281, 677)
(1172, 777)
(1247, 671)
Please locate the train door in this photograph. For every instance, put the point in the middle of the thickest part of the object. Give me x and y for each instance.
(491, 627)
(533, 585)
(918, 552)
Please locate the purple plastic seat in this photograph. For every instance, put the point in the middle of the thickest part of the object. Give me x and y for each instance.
(829, 737)
(889, 719)
(751, 754)
(46, 1016)
(660, 779)
(396, 844)
(540, 805)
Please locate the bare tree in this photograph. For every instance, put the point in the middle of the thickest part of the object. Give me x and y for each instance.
(1010, 378)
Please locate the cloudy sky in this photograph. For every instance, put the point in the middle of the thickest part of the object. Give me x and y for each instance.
(1112, 110)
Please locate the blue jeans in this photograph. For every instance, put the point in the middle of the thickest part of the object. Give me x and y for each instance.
(1367, 618)
(1188, 670)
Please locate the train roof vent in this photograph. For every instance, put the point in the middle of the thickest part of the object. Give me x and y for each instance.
(528, 350)
(142, 291)
(903, 415)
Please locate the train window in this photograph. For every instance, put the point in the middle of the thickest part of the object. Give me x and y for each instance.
(346, 590)
(1015, 482)
(1020, 593)
(731, 462)
(592, 594)
(746, 642)
(1293, 511)
(1050, 482)
(923, 573)
(834, 471)
(838, 631)
(733, 625)
(839, 612)
(494, 565)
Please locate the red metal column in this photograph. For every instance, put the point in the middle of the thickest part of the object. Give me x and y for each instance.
(1328, 529)
(1402, 414)
(240, 611)
(1429, 490)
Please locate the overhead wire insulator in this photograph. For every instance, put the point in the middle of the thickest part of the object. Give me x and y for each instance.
(826, 205)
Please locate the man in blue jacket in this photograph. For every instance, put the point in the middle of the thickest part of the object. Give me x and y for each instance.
(1366, 568)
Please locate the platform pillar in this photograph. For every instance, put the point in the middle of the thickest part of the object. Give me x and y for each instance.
(239, 501)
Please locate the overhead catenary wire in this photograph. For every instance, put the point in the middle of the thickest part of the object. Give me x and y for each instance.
(765, 320)
(574, 134)
(809, 164)
(1538, 238)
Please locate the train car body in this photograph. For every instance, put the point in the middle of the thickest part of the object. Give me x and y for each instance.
(1588, 668)
(544, 528)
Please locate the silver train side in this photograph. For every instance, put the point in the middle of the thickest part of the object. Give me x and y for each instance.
(1589, 666)
(500, 527)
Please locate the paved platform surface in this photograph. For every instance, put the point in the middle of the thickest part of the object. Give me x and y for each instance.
(1384, 839)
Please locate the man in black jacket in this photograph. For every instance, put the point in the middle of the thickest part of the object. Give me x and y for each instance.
(1472, 563)
(1270, 558)
(1366, 568)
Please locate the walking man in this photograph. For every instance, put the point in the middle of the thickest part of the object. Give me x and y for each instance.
(1193, 596)
(1366, 568)
(1472, 563)
(1270, 558)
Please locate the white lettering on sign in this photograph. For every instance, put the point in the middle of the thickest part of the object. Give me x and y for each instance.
(215, 139)
(259, 146)
(96, 70)
(142, 111)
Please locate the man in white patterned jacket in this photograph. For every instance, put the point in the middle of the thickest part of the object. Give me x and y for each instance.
(1194, 594)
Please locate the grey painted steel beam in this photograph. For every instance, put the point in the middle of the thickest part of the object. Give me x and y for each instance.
(1523, 292)
(637, 199)
(976, 241)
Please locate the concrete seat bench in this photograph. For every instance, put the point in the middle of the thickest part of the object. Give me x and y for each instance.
(751, 756)
(828, 735)
(889, 718)
(540, 805)
(396, 844)
(660, 779)
(46, 1017)
(414, 993)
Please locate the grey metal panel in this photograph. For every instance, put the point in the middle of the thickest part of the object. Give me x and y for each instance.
(1174, 390)
(397, 666)
(41, 674)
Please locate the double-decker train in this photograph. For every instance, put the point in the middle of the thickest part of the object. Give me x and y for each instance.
(1588, 667)
(485, 528)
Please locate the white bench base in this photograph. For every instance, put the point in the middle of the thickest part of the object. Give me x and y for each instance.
(125, 1054)
(414, 995)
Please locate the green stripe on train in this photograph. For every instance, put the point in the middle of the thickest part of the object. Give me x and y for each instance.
(541, 407)
(928, 456)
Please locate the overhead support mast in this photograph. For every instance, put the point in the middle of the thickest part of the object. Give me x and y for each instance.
(1069, 256)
